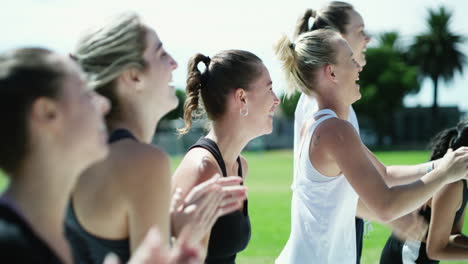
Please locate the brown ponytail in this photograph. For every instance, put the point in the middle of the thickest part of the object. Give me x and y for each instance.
(334, 15)
(302, 25)
(195, 81)
(225, 72)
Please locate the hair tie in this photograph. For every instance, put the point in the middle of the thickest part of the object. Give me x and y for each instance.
(206, 61)
(313, 13)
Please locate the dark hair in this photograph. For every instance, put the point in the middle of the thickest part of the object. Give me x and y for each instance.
(454, 138)
(226, 71)
(334, 15)
(25, 75)
(110, 49)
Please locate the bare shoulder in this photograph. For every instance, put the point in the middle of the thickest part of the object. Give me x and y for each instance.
(336, 132)
(139, 164)
(197, 166)
(451, 195)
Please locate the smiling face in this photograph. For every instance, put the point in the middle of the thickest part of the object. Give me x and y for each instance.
(346, 72)
(82, 110)
(157, 77)
(261, 102)
(356, 36)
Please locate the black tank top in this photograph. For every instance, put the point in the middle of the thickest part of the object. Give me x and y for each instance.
(231, 233)
(89, 248)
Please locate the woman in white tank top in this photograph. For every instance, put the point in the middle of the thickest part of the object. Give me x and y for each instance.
(333, 167)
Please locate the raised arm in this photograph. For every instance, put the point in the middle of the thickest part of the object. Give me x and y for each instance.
(457, 236)
(342, 144)
(401, 174)
(444, 207)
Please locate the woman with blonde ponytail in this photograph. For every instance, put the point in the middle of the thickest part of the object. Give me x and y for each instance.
(235, 91)
(336, 176)
(342, 17)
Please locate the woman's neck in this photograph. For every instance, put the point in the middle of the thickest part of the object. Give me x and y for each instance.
(142, 129)
(341, 110)
(230, 140)
(41, 191)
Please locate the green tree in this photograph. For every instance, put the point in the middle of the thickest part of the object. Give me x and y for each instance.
(178, 112)
(436, 52)
(288, 104)
(385, 80)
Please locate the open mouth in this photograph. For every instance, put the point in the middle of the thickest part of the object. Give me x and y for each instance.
(272, 112)
(171, 83)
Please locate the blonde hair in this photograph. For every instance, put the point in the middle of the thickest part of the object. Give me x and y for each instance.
(105, 52)
(303, 57)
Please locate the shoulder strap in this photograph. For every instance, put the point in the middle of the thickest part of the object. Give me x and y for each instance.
(311, 130)
(212, 147)
(239, 171)
(120, 134)
(324, 112)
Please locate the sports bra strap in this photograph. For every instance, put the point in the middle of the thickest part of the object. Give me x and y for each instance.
(324, 112)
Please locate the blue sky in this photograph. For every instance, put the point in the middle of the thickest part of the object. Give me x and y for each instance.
(208, 26)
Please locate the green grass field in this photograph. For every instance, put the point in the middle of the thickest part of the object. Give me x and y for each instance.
(269, 180)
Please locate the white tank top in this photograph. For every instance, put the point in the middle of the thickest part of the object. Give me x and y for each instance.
(323, 211)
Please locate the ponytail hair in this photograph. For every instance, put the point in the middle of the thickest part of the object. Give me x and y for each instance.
(285, 50)
(334, 15)
(302, 25)
(195, 81)
(302, 58)
(224, 73)
(454, 138)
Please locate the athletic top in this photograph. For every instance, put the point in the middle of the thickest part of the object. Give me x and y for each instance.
(90, 248)
(323, 211)
(19, 243)
(231, 233)
(307, 106)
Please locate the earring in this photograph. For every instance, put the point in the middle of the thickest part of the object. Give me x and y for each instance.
(244, 113)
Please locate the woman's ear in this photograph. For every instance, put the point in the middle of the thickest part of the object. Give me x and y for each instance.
(329, 72)
(46, 115)
(131, 78)
(44, 110)
(240, 96)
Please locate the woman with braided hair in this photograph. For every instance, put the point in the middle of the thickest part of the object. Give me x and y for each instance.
(235, 91)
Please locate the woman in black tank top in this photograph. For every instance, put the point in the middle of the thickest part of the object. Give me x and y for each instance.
(444, 213)
(52, 129)
(237, 96)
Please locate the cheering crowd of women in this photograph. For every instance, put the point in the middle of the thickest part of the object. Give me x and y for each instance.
(87, 186)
